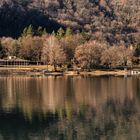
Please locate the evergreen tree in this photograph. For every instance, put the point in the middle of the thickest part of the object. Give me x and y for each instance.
(68, 32)
(53, 33)
(60, 33)
(28, 31)
(44, 31)
(24, 32)
(39, 31)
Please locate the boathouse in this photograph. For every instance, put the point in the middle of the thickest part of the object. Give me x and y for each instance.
(12, 60)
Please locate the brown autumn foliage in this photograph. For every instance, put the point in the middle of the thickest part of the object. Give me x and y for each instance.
(69, 43)
(116, 56)
(113, 21)
(88, 55)
(67, 49)
(31, 48)
(53, 53)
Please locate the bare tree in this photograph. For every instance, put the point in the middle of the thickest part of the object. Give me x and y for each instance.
(53, 52)
(31, 48)
(110, 57)
(116, 56)
(88, 55)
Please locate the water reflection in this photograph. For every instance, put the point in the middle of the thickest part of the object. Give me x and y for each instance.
(67, 108)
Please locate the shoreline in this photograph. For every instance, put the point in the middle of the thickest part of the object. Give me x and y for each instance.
(108, 72)
(38, 70)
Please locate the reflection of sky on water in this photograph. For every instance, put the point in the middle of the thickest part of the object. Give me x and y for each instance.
(67, 107)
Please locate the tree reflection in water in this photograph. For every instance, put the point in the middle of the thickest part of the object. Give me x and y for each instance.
(68, 108)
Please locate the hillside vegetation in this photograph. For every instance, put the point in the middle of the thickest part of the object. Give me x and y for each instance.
(115, 21)
(86, 33)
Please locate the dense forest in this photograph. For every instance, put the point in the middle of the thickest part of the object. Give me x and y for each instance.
(115, 21)
(72, 26)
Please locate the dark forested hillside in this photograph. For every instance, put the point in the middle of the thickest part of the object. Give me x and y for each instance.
(114, 21)
(15, 15)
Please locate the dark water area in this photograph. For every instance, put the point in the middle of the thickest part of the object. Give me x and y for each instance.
(69, 108)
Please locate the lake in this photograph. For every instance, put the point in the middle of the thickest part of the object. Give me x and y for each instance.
(69, 108)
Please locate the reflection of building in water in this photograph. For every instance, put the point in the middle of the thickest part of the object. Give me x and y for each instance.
(53, 94)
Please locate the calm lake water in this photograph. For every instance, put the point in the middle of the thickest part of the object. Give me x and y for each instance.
(69, 108)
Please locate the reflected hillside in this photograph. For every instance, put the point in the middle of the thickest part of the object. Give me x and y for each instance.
(113, 123)
(42, 95)
(69, 108)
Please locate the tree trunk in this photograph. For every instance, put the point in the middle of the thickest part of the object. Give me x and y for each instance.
(55, 67)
